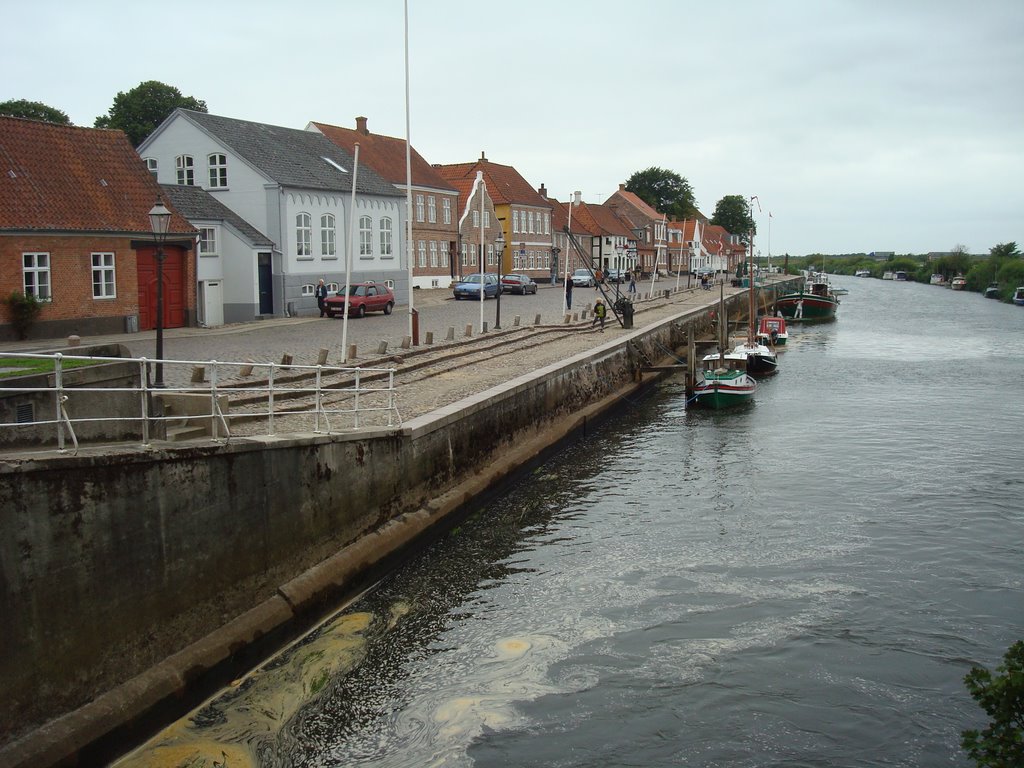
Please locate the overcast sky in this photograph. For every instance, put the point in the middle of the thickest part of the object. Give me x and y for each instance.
(861, 125)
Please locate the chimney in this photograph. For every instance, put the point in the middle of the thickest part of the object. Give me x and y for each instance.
(361, 126)
(622, 187)
(577, 197)
(542, 191)
(483, 157)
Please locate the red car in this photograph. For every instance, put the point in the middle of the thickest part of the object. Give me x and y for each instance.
(362, 298)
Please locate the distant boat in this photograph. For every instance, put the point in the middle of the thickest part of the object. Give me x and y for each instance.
(1018, 296)
(937, 279)
(889, 276)
(900, 275)
(862, 273)
(840, 291)
(958, 283)
(816, 301)
(992, 292)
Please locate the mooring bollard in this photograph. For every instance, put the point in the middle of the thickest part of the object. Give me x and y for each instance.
(536, 319)
(321, 358)
(451, 333)
(351, 352)
(286, 359)
(515, 323)
(246, 370)
(429, 337)
(74, 340)
(568, 318)
(406, 342)
(198, 374)
(483, 328)
(469, 330)
(382, 348)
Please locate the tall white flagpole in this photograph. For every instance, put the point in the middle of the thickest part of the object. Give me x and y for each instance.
(348, 256)
(408, 178)
(483, 270)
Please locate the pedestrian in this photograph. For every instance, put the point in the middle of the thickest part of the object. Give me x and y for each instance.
(798, 315)
(568, 293)
(321, 298)
(632, 281)
(598, 279)
(599, 313)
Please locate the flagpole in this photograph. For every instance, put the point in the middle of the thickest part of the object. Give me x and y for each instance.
(483, 272)
(408, 182)
(348, 256)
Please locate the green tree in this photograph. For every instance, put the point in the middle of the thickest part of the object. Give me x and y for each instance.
(1001, 743)
(34, 110)
(139, 111)
(665, 191)
(1004, 250)
(733, 213)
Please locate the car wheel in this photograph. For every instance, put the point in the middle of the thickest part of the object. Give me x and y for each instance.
(387, 308)
(361, 312)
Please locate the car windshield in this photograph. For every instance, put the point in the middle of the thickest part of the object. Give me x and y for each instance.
(353, 290)
(584, 272)
(471, 279)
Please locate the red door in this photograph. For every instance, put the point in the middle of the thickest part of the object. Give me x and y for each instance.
(174, 288)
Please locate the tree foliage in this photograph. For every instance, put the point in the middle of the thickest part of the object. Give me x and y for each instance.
(1004, 250)
(733, 213)
(1001, 695)
(34, 110)
(665, 191)
(139, 111)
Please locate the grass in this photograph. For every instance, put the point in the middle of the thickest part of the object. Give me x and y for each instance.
(26, 366)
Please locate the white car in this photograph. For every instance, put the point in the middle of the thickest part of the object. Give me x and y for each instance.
(582, 278)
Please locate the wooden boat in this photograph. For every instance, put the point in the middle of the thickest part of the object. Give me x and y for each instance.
(815, 301)
(958, 283)
(1018, 296)
(771, 331)
(724, 382)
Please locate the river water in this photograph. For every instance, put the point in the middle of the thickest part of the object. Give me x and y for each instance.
(803, 581)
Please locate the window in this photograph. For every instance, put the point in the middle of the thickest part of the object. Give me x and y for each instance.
(547, 223)
(218, 170)
(152, 165)
(307, 290)
(515, 221)
(385, 237)
(36, 274)
(476, 218)
(431, 210)
(328, 238)
(465, 255)
(446, 204)
(365, 236)
(419, 207)
(444, 253)
(423, 253)
(185, 169)
(103, 276)
(487, 219)
(530, 226)
(490, 254)
(433, 253)
(303, 235)
(207, 241)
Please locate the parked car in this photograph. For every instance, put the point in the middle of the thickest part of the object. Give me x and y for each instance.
(615, 275)
(362, 298)
(522, 284)
(583, 278)
(468, 286)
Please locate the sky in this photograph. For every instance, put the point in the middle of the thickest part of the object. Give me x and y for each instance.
(859, 125)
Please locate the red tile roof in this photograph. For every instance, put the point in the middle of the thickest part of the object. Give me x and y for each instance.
(385, 154)
(632, 199)
(504, 183)
(64, 178)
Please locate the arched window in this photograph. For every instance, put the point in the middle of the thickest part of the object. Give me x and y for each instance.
(385, 237)
(328, 242)
(303, 235)
(365, 236)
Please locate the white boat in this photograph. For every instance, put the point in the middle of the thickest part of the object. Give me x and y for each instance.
(862, 273)
(888, 275)
(958, 283)
(1018, 296)
(937, 279)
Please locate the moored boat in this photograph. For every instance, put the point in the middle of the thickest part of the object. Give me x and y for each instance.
(815, 302)
(862, 273)
(888, 275)
(992, 292)
(724, 382)
(937, 279)
(772, 332)
(958, 283)
(761, 360)
(1018, 296)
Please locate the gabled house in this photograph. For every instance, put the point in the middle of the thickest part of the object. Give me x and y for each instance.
(478, 225)
(75, 233)
(295, 187)
(524, 214)
(612, 242)
(226, 246)
(649, 226)
(564, 220)
(687, 251)
(434, 201)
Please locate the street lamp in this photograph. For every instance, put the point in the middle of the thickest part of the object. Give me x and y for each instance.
(499, 249)
(555, 250)
(159, 221)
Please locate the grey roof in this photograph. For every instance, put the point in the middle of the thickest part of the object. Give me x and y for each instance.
(292, 157)
(196, 203)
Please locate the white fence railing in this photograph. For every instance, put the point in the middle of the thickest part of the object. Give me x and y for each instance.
(260, 398)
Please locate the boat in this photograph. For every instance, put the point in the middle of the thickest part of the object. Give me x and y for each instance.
(761, 360)
(840, 291)
(992, 292)
(1018, 296)
(958, 283)
(901, 276)
(772, 332)
(862, 273)
(888, 275)
(815, 301)
(937, 279)
(724, 382)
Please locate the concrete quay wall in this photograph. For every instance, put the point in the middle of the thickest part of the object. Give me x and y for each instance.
(133, 580)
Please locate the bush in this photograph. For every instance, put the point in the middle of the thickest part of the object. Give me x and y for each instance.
(1001, 695)
(23, 309)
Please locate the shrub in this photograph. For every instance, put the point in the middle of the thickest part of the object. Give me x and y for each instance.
(23, 308)
(1001, 695)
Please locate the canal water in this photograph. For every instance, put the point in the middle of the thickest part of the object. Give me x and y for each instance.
(803, 581)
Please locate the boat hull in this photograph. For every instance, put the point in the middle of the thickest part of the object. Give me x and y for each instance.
(815, 307)
(714, 391)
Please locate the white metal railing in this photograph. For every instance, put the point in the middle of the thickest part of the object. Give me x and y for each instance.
(297, 398)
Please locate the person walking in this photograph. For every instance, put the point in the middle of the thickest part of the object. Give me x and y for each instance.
(598, 279)
(798, 315)
(632, 282)
(321, 297)
(568, 293)
(600, 310)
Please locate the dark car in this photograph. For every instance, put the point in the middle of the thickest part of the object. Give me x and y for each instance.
(522, 284)
(468, 286)
(362, 298)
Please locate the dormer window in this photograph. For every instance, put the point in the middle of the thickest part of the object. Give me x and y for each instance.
(185, 167)
(218, 165)
(151, 166)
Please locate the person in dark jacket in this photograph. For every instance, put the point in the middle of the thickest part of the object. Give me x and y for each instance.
(321, 298)
(600, 310)
(568, 293)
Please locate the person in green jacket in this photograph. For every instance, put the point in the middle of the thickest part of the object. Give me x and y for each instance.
(600, 310)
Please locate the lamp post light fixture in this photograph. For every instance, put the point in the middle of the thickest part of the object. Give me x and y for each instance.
(159, 222)
(499, 249)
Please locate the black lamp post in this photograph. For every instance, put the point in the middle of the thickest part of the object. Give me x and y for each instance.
(555, 250)
(499, 249)
(159, 221)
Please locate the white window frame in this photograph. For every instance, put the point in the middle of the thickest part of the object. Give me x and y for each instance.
(328, 236)
(217, 163)
(431, 209)
(476, 219)
(433, 253)
(104, 278)
(419, 207)
(207, 241)
(547, 223)
(446, 209)
(153, 166)
(465, 255)
(303, 235)
(515, 221)
(35, 271)
(487, 219)
(385, 238)
(307, 289)
(185, 168)
(530, 219)
(423, 253)
(443, 247)
(490, 254)
(366, 237)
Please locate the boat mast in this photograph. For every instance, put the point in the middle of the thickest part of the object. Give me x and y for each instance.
(750, 271)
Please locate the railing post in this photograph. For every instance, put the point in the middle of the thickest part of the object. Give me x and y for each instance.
(214, 410)
(58, 386)
(270, 400)
(144, 400)
(355, 413)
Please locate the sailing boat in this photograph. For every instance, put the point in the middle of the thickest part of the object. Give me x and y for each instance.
(723, 380)
(761, 359)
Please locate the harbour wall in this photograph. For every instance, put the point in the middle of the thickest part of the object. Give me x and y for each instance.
(134, 580)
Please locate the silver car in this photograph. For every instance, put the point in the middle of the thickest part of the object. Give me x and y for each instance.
(583, 278)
